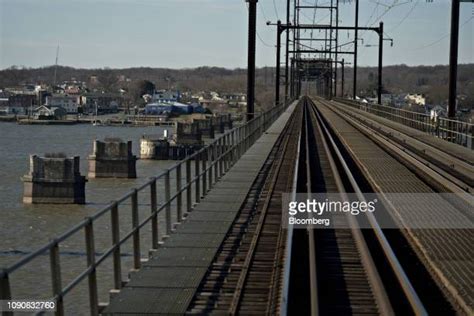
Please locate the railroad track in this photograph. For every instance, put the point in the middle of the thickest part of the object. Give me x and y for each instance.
(343, 273)
(245, 277)
(444, 296)
(455, 173)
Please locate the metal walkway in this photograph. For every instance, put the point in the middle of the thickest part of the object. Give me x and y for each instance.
(167, 282)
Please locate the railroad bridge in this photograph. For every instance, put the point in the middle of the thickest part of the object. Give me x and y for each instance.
(230, 229)
(210, 234)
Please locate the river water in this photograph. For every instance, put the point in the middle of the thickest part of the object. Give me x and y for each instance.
(23, 228)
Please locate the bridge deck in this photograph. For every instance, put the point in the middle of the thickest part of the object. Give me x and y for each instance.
(167, 282)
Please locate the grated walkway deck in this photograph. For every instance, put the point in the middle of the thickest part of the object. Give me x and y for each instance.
(167, 282)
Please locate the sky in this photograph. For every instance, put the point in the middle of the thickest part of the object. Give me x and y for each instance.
(192, 33)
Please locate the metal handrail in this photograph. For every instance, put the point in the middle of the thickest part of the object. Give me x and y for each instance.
(454, 131)
(210, 164)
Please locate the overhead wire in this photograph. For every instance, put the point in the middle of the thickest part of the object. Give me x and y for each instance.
(444, 36)
(258, 34)
(276, 10)
(406, 16)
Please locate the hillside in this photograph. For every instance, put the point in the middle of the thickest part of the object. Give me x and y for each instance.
(429, 80)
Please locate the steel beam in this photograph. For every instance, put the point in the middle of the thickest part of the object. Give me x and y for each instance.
(251, 58)
(453, 57)
(356, 44)
(278, 51)
(379, 91)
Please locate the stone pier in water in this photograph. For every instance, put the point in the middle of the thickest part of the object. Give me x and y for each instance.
(54, 179)
(112, 158)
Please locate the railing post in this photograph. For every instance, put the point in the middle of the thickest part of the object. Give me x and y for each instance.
(204, 173)
(244, 138)
(136, 233)
(254, 131)
(249, 134)
(5, 289)
(243, 131)
(241, 142)
(232, 145)
(92, 277)
(229, 150)
(221, 157)
(189, 202)
(168, 203)
(154, 219)
(224, 139)
(114, 216)
(56, 278)
(210, 157)
(237, 144)
(179, 199)
(229, 146)
(216, 161)
(197, 184)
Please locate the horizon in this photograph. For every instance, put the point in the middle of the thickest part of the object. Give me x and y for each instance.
(20, 67)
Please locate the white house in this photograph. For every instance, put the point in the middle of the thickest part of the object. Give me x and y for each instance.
(50, 113)
(68, 102)
(416, 98)
(165, 96)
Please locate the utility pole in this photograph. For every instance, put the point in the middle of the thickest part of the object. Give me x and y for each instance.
(342, 78)
(56, 64)
(292, 78)
(337, 43)
(379, 92)
(278, 57)
(287, 50)
(331, 77)
(354, 88)
(251, 59)
(453, 57)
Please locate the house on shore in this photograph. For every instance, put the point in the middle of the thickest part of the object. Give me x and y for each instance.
(70, 103)
(50, 113)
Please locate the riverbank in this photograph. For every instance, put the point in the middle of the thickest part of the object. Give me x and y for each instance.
(46, 122)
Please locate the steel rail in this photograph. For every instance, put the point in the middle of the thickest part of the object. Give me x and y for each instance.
(446, 126)
(402, 278)
(442, 154)
(281, 243)
(237, 296)
(313, 278)
(289, 241)
(378, 288)
(453, 292)
(429, 170)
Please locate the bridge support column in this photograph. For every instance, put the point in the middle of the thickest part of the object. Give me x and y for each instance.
(380, 87)
(453, 58)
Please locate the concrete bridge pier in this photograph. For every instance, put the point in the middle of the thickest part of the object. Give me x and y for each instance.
(227, 118)
(54, 179)
(205, 127)
(112, 158)
(218, 124)
(187, 134)
(157, 148)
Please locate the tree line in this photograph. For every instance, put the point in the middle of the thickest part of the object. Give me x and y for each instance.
(429, 80)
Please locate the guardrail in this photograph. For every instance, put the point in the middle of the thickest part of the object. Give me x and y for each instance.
(453, 131)
(209, 164)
